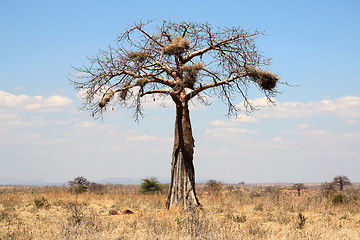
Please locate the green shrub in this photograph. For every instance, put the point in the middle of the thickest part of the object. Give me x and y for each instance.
(301, 219)
(78, 189)
(150, 186)
(239, 219)
(338, 198)
(41, 203)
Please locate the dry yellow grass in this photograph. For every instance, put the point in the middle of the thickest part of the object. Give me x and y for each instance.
(236, 212)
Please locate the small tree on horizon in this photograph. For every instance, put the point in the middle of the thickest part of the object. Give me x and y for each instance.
(298, 187)
(79, 185)
(341, 181)
(183, 61)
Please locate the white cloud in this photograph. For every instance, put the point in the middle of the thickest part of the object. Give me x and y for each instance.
(141, 138)
(34, 103)
(347, 107)
(344, 107)
(241, 118)
(85, 124)
(353, 122)
(351, 135)
(147, 138)
(75, 139)
(79, 74)
(296, 135)
(228, 133)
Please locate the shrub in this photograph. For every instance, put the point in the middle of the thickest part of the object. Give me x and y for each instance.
(79, 189)
(301, 219)
(97, 188)
(338, 199)
(76, 213)
(273, 192)
(41, 203)
(239, 219)
(214, 186)
(328, 188)
(150, 186)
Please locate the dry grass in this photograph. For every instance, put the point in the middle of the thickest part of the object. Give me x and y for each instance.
(235, 212)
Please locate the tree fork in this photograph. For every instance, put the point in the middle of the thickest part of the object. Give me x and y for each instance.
(182, 186)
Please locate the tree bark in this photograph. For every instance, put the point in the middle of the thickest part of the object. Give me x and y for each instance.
(341, 185)
(182, 185)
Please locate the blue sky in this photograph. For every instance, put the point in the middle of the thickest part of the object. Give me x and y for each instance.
(311, 135)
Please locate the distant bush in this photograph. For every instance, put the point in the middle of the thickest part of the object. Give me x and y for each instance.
(97, 188)
(165, 187)
(150, 186)
(214, 186)
(328, 188)
(273, 192)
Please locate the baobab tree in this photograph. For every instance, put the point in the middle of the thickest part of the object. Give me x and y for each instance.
(183, 61)
(341, 181)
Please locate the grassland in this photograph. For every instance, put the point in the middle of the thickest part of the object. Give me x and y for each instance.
(233, 212)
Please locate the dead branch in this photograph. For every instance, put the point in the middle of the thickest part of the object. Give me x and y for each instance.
(167, 59)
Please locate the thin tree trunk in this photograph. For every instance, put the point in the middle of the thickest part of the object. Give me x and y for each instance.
(182, 186)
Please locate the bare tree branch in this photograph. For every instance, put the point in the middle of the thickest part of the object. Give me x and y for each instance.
(172, 57)
(156, 91)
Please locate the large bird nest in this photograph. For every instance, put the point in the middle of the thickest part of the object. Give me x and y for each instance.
(177, 47)
(106, 98)
(191, 73)
(138, 56)
(123, 93)
(142, 82)
(266, 80)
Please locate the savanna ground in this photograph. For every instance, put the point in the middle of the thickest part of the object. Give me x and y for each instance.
(231, 212)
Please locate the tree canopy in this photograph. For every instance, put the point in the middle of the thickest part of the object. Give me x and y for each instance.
(168, 58)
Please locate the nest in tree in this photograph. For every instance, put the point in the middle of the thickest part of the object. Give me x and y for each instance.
(177, 47)
(141, 82)
(106, 98)
(123, 93)
(191, 73)
(265, 79)
(138, 56)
